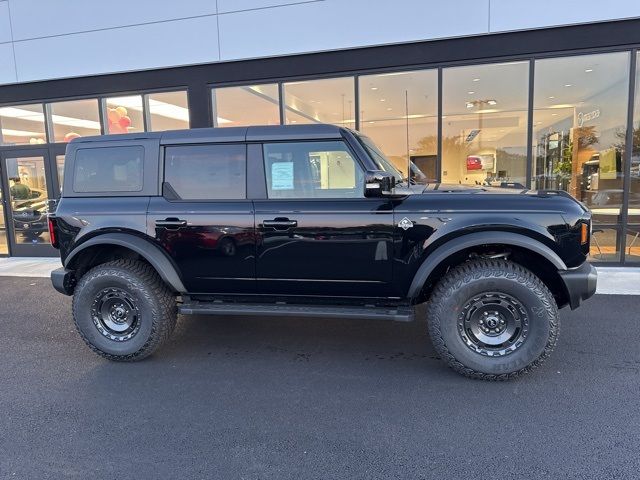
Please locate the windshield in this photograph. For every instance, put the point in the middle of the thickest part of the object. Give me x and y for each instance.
(381, 160)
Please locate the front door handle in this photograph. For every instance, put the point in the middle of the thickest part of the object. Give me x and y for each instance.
(171, 223)
(280, 223)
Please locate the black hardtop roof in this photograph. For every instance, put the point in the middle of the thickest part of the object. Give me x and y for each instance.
(228, 134)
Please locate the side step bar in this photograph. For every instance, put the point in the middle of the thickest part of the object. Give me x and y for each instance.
(398, 314)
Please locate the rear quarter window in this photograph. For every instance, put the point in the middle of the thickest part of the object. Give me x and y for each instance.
(108, 169)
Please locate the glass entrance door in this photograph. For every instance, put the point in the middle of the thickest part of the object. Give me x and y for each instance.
(27, 185)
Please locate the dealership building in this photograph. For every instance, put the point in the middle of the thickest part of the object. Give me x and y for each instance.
(542, 94)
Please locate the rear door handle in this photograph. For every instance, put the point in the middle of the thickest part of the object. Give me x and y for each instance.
(280, 223)
(171, 223)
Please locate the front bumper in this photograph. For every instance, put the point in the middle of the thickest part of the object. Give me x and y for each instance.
(580, 283)
(63, 280)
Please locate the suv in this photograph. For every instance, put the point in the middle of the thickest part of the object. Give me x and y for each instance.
(315, 221)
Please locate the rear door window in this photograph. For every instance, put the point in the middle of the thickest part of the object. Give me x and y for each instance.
(108, 169)
(207, 172)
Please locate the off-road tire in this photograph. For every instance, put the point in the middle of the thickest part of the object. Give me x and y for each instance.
(156, 305)
(471, 279)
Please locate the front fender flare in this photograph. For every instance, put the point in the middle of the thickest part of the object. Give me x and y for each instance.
(147, 250)
(441, 253)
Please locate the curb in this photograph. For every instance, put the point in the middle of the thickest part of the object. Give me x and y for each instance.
(611, 280)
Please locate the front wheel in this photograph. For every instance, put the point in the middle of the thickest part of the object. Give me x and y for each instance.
(492, 319)
(123, 310)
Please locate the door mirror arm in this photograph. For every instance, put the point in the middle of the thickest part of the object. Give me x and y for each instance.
(379, 183)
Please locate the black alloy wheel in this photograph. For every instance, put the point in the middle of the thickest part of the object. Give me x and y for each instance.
(492, 319)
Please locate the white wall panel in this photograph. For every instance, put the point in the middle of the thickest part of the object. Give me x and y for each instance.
(132, 48)
(237, 5)
(516, 15)
(5, 24)
(339, 24)
(60, 38)
(7, 67)
(41, 18)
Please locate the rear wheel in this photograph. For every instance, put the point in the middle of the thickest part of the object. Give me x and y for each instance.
(123, 310)
(492, 319)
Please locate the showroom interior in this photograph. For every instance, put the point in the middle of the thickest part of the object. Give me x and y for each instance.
(555, 108)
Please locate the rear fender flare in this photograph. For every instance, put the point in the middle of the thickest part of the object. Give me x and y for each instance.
(147, 250)
(441, 253)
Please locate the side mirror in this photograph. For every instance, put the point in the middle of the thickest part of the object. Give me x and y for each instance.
(379, 183)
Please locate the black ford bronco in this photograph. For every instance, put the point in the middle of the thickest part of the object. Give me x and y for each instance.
(309, 221)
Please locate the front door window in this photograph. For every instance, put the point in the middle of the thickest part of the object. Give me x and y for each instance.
(312, 170)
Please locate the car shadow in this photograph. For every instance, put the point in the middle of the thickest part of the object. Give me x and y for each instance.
(299, 339)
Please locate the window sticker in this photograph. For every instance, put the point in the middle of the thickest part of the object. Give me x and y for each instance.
(282, 176)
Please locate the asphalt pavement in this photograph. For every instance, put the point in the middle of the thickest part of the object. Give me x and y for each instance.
(236, 398)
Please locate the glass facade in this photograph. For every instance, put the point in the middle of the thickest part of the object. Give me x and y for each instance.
(399, 112)
(556, 122)
(28, 199)
(484, 124)
(124, 114)
(22, 124)
(168, 111)
(328, 100)
(60, 170)
(580, 116)
(77, 118)
(246, 105)
(632, 243)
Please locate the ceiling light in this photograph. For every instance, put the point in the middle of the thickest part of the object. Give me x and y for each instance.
(476, 79)
(20, 133)
(374, 88)
(554, 114)
(588, 70)
(389, 109)
(471, 92)
(294, 121)
(492, 102)
(551, 97)
(469, 104)
(157, 108)
(383, 99)
(568, 85)
(372, 122)
(394, 74)
(22, 114)
(75, 122)
(134, 102)
(168, 110)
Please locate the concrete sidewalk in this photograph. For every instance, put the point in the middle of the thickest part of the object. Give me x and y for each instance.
(28, 266)
(611, 280)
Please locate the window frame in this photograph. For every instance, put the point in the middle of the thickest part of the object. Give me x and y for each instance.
(163, 181)
(348, 148)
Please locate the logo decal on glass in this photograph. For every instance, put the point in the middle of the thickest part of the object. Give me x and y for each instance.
(405, 223)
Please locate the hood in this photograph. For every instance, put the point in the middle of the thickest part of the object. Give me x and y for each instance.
(455, 197)
(458, 188)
